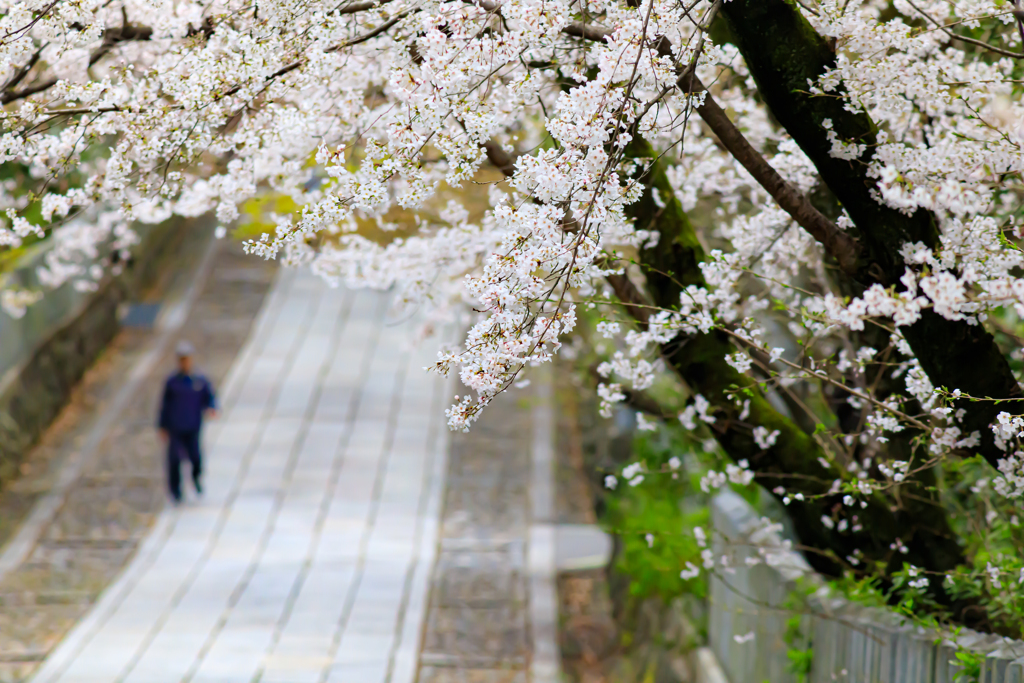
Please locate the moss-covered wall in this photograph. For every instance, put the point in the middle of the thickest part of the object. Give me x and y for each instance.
(35, 389)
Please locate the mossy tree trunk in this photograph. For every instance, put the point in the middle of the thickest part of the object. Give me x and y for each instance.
(796, 460)
(784, 53)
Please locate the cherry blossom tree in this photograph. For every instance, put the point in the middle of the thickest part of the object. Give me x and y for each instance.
(806, 212)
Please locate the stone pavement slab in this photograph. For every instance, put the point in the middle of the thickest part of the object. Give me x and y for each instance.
(581, 546)
(492, 616)
(94, 484)
(308, 558)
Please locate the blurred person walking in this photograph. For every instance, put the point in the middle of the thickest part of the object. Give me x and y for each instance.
(188, 398)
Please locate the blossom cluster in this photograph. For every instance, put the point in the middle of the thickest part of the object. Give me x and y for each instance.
(478, 155)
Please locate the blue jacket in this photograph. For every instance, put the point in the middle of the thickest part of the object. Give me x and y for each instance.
(185, 399)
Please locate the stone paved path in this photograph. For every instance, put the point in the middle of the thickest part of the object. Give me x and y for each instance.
(309, 557)
(478, 618)
(91, 489)
(493, 616)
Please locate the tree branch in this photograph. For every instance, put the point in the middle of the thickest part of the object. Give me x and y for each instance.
(234, 89)
(795, 459)
(632, 300)
(20, 74)
(965, 39)
(125, 33)
(840, 245)
(784, 53)
(499, 158)
(361, 6)
(578, 29)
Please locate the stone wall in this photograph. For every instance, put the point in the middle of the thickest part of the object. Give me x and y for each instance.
(46, 352)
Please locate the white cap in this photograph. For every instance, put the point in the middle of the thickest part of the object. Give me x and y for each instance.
(185, 349)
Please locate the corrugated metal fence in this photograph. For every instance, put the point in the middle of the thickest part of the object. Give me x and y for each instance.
(750, 605)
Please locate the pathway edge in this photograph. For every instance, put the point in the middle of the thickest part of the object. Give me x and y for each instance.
(545, 663)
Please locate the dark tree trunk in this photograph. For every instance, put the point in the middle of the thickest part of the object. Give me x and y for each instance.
(783, 53)
(795, 460)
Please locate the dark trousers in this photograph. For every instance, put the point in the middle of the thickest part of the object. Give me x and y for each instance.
(181, 445)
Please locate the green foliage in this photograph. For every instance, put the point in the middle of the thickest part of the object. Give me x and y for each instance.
(800, 662)
(799, 648)
(9, 257)
(989, 525)
(16, 181)
(970, 666)
(655, 529)
(655, 568)
(257, 210)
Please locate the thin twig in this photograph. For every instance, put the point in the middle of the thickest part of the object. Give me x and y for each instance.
(965, 39)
